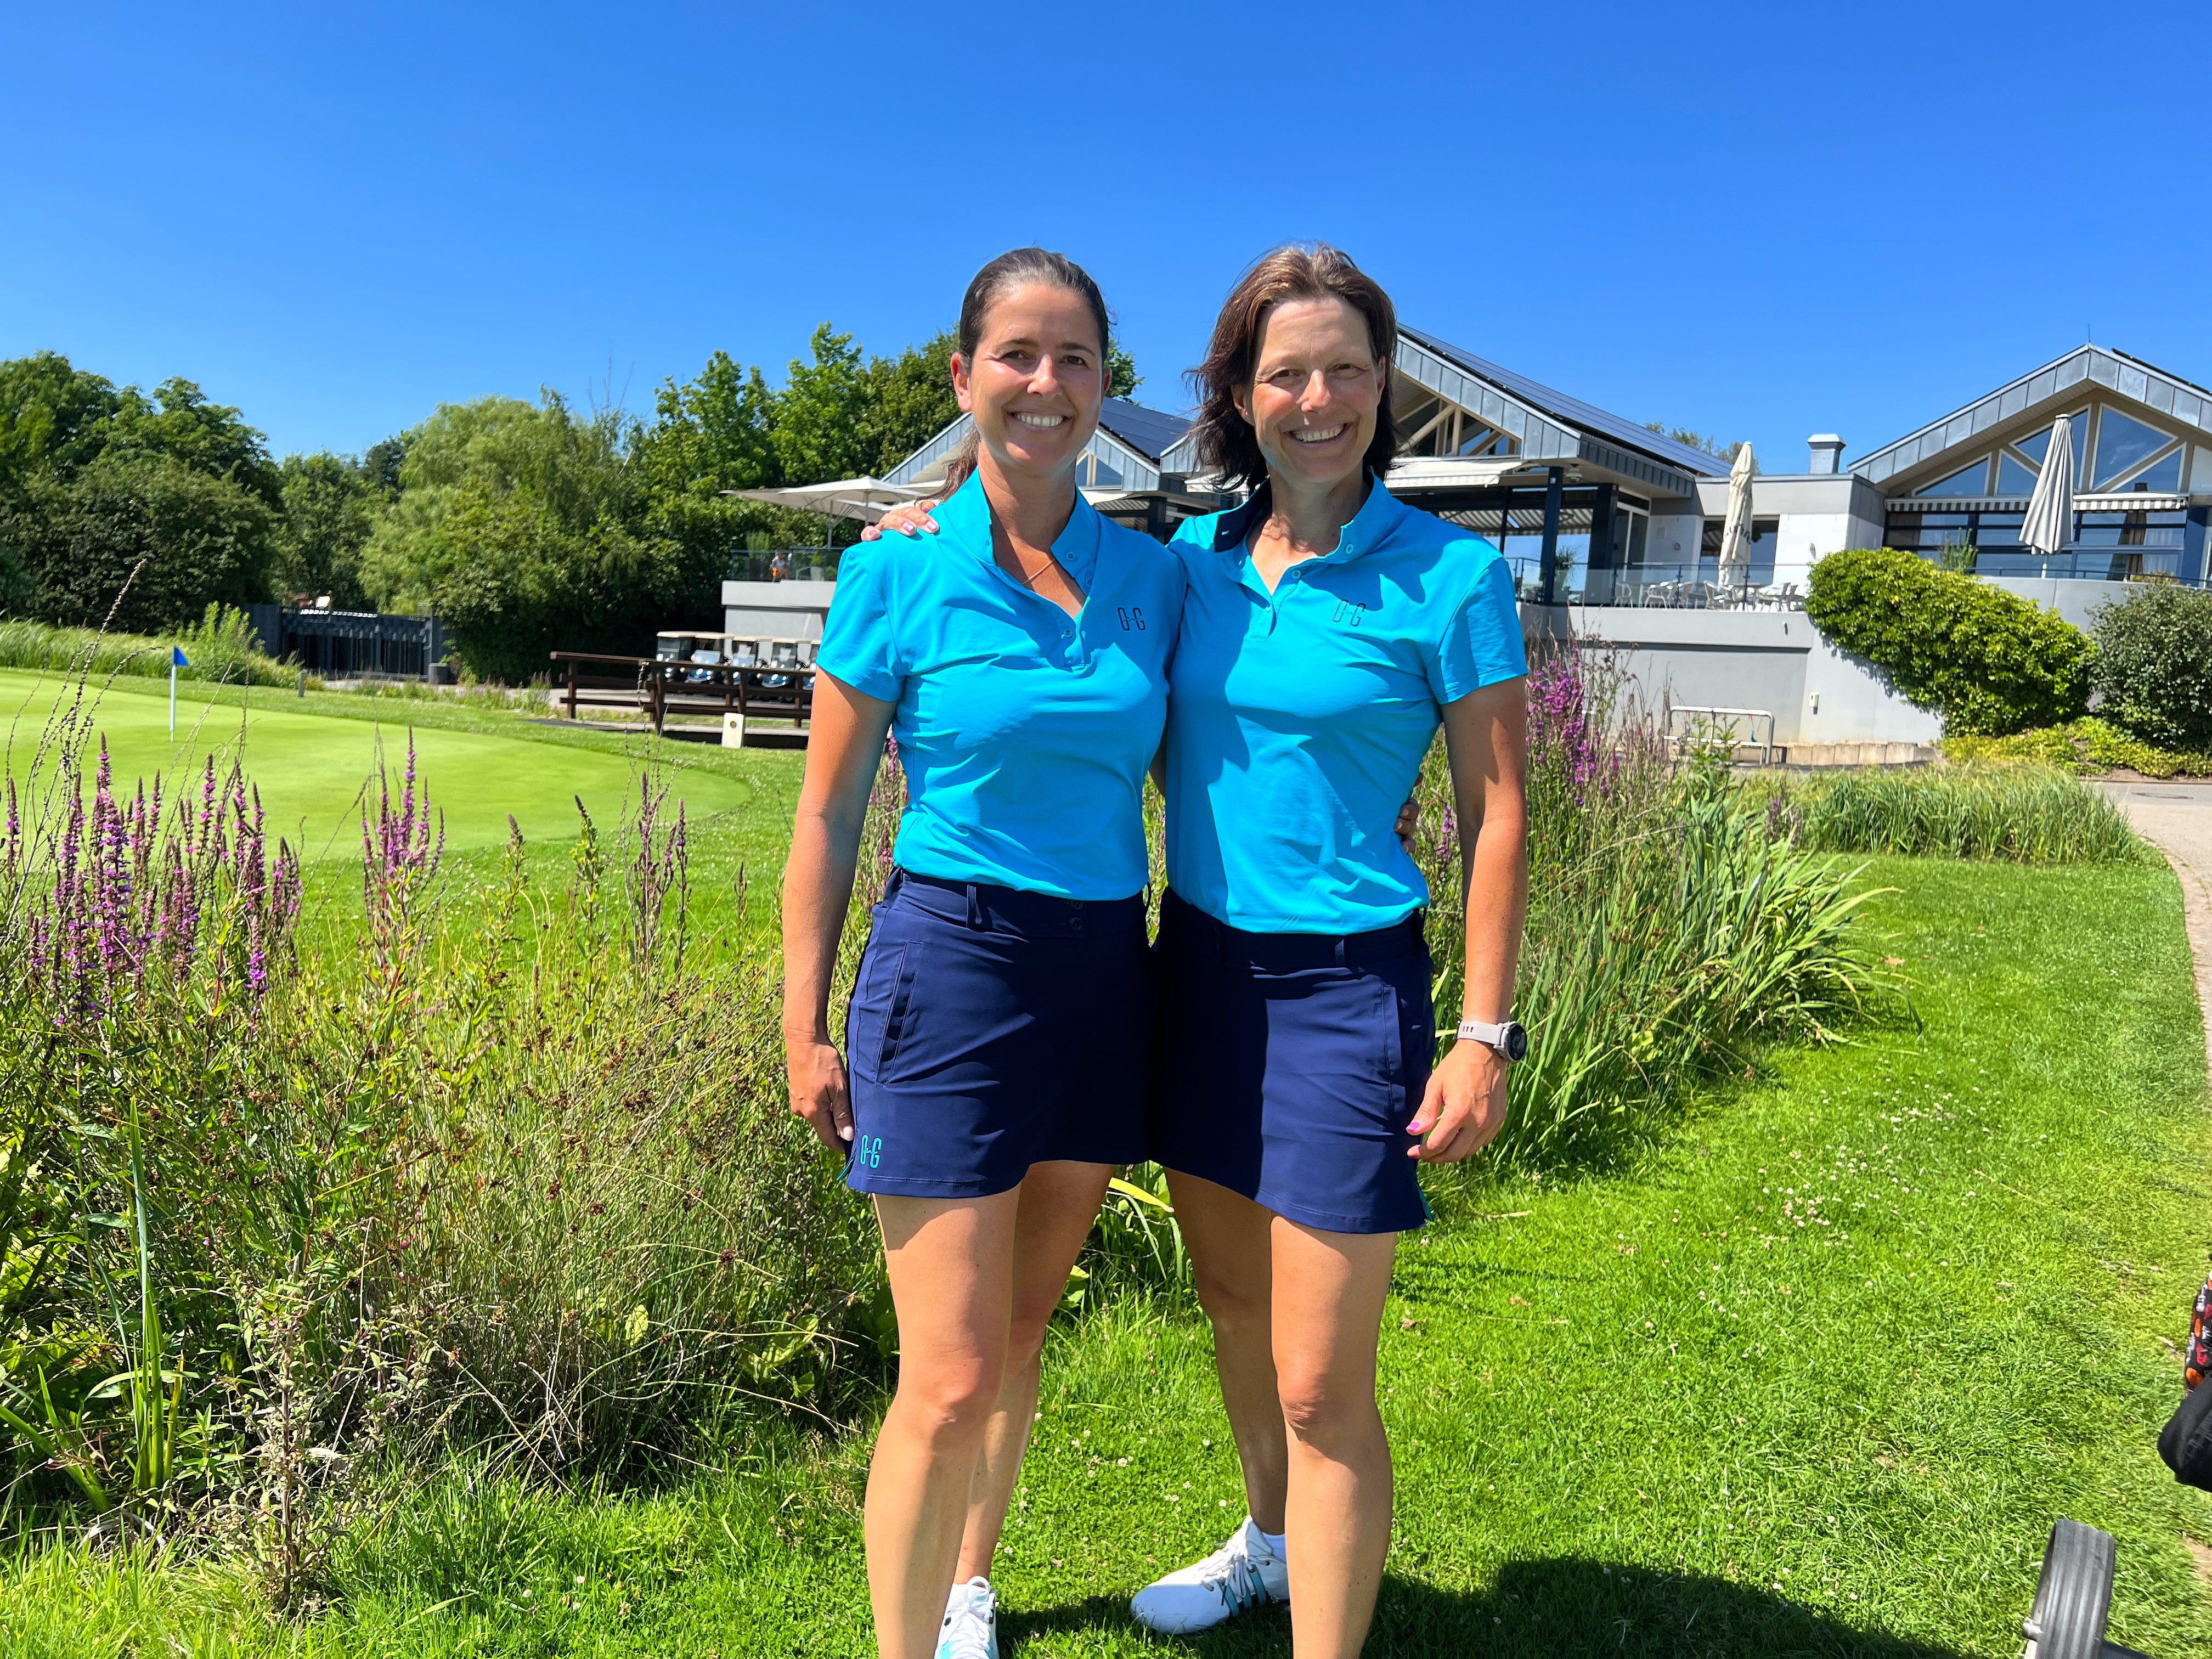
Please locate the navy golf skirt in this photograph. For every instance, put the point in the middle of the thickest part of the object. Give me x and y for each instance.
(1288, 1065)
(991, 1029)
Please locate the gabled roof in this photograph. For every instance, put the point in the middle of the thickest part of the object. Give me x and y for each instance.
(2063, 378)
(1573, 412)
(1148, 431)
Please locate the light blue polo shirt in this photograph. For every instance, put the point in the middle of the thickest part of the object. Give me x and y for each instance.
(1298, 720)
(1024, 732)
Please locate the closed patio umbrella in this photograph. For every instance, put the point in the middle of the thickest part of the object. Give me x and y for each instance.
(1735, 530)
(2050, 523)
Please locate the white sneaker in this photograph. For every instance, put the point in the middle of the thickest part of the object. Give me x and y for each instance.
(970, 1630)
(1245, 1572)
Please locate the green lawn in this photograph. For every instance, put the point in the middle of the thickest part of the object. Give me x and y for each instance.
(1812, 1378)
(310, 758)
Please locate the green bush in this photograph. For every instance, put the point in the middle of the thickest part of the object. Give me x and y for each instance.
(2088, 744)
(2019, 811)
(1988, 662)
(2155, 665)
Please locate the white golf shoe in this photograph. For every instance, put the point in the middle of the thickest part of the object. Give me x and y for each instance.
(970, 1630)
(1246, 1572)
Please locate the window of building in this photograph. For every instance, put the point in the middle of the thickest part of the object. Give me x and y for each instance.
(2013, 479)
(2124, 444)
(2037, 442)
(1972, 480)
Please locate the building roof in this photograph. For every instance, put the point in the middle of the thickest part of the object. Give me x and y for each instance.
(2064, 378)
(1147, 431)
(1574, 412)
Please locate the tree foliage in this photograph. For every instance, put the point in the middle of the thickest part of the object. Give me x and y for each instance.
(2155, 665)
(1988, 661)
(329, 504)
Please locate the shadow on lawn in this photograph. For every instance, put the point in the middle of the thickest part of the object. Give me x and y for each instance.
(1555, 1609)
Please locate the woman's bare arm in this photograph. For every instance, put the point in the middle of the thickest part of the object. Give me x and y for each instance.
(843, 749)
(1485, 740)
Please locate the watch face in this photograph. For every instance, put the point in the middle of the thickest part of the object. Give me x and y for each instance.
(1516, 1043)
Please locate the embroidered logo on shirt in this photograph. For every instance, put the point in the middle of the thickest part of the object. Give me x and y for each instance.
(1351, 611)
(1133, 618)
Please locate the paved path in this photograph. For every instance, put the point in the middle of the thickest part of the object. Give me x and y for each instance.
(2177, 818)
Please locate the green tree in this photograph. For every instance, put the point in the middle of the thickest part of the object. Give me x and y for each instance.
(1122, 377)
(178, 422)
(53, 418)
(822, 413)
(1698, 440)
(908, 401)
(143, 537)
(330, 506)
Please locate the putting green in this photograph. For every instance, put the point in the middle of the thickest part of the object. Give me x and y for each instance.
(311, 768)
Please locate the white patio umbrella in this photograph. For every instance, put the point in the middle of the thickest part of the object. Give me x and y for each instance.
(2050, 523)
(1736, 530)
(863, 498)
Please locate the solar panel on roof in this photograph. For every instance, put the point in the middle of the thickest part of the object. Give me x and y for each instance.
(1147, 431)
(1576, 412)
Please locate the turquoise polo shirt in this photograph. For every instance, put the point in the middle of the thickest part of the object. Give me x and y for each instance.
(1298, 720)
(1024, 732)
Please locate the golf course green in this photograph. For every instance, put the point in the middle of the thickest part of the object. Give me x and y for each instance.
(312, 766)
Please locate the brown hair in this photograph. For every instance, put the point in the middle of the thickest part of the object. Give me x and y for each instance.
(1226, 443)
(1011, 269)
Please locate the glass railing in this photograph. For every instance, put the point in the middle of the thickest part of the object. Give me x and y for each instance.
(1663, 587)
(784, 564)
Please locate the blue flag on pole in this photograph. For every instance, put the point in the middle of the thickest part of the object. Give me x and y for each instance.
(177, 657)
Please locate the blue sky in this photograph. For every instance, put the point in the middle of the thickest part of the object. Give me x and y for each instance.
(1757, 221)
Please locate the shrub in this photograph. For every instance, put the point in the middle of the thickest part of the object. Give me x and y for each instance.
(2019, 811)
(2088, 744)
(2155, 665)
(1986, 661)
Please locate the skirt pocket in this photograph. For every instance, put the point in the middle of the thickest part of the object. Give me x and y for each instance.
(872, 1022)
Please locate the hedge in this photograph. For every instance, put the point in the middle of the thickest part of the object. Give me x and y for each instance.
(2155, 665)
(1987, 661)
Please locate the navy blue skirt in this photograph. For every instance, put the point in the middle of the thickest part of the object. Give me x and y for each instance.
(1288, 1065)
(992, 1029)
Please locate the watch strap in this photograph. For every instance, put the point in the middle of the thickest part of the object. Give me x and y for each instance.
(1476, 1030)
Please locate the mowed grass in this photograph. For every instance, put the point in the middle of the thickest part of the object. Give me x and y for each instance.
(311, 758)
(1813, 1377)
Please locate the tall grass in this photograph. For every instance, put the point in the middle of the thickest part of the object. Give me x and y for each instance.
(2017, 810)
(221, 647)
(1668, 933)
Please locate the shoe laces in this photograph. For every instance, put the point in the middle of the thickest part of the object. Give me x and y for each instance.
(966, 1633)
(1231, 1573)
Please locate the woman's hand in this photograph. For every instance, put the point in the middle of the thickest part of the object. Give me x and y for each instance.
(1464, 1107)
(910, 520)
(818, 1090)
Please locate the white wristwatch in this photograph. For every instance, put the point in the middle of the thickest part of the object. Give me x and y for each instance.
(1506, 1038)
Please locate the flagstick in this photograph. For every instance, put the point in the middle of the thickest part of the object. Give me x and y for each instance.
(172, 702)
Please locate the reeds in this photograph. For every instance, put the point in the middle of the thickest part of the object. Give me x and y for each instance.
(2019, 811)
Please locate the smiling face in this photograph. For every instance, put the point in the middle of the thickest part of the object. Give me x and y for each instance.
(1035, 382)
(1315, 392)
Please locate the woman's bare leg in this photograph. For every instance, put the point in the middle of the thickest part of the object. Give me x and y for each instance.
(1330, 1288)
(1229, 1239)
(951, 1262)
(1058, 1202)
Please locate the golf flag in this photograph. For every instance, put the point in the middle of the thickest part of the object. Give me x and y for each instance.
(176, 661)
(177, 657)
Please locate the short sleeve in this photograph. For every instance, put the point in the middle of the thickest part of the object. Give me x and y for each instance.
(1481, 644)
(860, 639)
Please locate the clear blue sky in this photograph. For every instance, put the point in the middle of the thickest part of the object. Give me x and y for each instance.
(1757, 221)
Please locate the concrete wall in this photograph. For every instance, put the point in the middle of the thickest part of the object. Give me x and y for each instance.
(1820, 513)
(783, 611)
(2076, 601)
(1774, 660)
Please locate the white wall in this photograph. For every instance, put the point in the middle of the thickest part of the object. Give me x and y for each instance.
(783, 611)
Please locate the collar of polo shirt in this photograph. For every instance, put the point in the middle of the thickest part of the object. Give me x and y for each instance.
(1376, 515)
(965, 516)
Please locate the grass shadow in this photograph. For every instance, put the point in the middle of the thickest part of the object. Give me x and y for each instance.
(1559, 1608)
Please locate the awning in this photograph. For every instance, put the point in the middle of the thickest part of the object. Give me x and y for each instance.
(1450, 472)
(864, 498)
(2131, 500)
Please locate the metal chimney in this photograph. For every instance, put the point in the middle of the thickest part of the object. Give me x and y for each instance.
(1827, 452)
